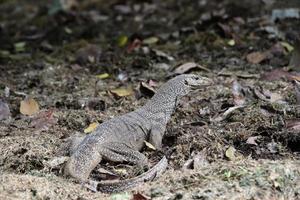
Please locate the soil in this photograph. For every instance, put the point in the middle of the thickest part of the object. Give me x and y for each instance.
(236, 139)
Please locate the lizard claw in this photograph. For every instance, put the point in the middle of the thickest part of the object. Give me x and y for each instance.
(91, 185)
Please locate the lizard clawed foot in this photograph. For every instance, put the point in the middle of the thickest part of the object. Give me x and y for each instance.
(90, 184)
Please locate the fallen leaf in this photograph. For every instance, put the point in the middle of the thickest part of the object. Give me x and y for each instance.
(163, 55)
(276, 74)
(149, 145)
(152, 83)
(252, 140)
(200, 160)
(56, 161)
(20, 46)
(6, 91)
(121, 171)
(68, 30)
(43, 120)
(4, 110)
(91, 127)
(256, 57)
(187, 67)
(122, 92)
(238, 97)
(188, 164)
(88, 54)
(268, 96)
(226, 29)
(146, 89)
(293, 124)
(274, 97)
(61, 5)
(122, 77)
(227, 113)
(295, 58)
(273, 147)
(297, 90)
(150, 40)
(230, 153)
(283, 13)
(121, 196)
(134, 45)
(122, 40)
(29, 106)
(277, 49)
(107, 175)
(102, 76)
(231, 42)
(139, 196)
(163, 66)
(123, 9)
(5, 54)
(288, 47)
(76, 67)
(274, 177)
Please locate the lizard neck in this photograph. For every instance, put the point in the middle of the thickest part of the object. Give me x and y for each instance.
(163, 102)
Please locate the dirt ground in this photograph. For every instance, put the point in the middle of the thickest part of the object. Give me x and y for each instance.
(84, 62)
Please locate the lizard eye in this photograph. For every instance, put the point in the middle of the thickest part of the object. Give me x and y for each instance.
(196, 78)
(186, 82)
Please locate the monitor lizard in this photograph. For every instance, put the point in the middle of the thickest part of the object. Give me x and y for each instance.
(120, 139)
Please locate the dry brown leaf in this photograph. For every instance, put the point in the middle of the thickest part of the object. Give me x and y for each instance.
(4, 110)
(29, 106)
(187, 67)
(135, 44)
(269, 96)
(139, 196)
(256, 57)
(149, 145)
(276, 74)
(252, 140)
(146, 90)
(43, 120)
(122, 92)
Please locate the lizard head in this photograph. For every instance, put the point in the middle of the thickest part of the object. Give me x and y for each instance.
(187, 82)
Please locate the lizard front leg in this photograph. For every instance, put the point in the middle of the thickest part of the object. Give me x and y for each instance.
(82, 162)
(156, 135)
(120, 152)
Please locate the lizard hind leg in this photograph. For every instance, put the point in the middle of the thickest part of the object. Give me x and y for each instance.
(81, 163)
(119, 152)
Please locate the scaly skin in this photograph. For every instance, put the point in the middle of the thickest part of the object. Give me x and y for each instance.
(120, 139)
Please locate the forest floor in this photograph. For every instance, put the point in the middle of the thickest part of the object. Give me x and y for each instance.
(68, 65)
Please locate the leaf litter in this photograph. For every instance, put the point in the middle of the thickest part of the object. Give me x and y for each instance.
(251, 108)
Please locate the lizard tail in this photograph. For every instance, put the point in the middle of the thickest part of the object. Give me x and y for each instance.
(118, 186)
